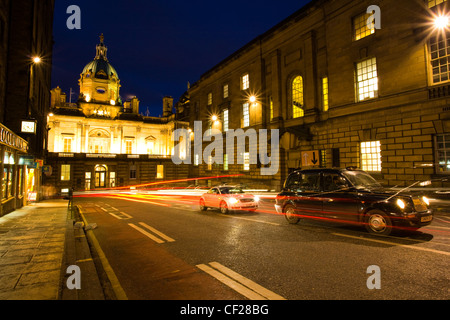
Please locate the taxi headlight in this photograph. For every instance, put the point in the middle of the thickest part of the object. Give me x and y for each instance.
(233, 200)
(401, 203)
(256, 198)
(426, 200)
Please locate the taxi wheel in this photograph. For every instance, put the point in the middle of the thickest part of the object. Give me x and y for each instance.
(202, 205)
(378, 222)
(224, 207)
(291, 215)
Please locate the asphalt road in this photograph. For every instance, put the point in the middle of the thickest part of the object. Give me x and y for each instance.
(164, 248)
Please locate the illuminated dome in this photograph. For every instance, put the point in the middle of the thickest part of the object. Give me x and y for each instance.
(100, 68)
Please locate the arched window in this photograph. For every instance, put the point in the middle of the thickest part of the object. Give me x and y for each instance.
(297, 97)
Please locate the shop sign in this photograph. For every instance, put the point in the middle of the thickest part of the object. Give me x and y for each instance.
(10, 139)
(47, 170)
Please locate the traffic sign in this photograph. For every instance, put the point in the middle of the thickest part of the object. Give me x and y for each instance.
(311, 158)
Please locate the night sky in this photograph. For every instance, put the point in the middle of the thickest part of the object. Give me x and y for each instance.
(158, 46)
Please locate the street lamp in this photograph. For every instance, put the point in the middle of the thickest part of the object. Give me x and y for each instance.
(441, 22)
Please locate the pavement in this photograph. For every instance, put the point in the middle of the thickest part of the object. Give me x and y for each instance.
(38, 243)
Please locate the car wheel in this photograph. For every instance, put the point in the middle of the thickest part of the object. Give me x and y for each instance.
(224, 207)
(291, 215)
(202, 205)
(378, 222)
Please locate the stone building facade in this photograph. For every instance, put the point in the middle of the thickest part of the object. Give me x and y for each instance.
(341, 91)
(26, 44)
(103, 142)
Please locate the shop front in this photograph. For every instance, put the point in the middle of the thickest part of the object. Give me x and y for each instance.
(13, 192)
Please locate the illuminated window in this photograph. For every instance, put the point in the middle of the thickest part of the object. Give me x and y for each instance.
(440, 57)
(88, 178)
(129, 147)
(160, 172)
(246, 161)
(371, 156)
(210, 98)
(225, 91)
(65, 172)
(361, 27)
(325, 93)
(225, 120)
(297, 97)
(246, 115)
(112, 179)
(443, 150)
(196, 160)
(432, 3)
(367, 79)
(67, 144)
(210, 163)
(225, 162)
(271, 108)
(245, 82)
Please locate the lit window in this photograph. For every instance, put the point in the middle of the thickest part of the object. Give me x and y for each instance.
(225, 91)
(225, 162)
(245, 82)
(443, 149)
(246, 115)
(325, 93)
(160, 172)
(210, 98)
(225, 120)
(271, 108)
(367, 79)
(67, 144)
(246, 161)
(361, 27)
(297, 97)
(371, 156)
(210, 163)
(88, 178)
(112, 179)
(65, 172)
(440, 57)
(128, 147)
(196, 160)
(432, 3)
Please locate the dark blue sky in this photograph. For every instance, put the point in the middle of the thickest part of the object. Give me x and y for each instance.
(158, 46)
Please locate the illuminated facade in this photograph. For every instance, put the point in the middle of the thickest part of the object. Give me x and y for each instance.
(342, 92)
(102, 141)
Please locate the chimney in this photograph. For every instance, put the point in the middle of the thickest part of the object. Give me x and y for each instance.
(167, 106)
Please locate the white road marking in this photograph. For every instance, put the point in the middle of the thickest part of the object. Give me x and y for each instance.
(394, 244)
(239, 283)
(159, 233)
(156, 239)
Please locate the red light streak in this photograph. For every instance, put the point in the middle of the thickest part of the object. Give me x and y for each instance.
(169, 182)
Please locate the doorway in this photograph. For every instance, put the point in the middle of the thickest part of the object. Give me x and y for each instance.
(100, 176)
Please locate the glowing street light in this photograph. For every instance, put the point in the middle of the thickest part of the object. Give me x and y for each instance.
(214, 118)
(252, 99)
(37, 60)
(441, 22)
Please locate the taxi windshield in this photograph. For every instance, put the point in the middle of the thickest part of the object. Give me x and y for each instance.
(362, 180)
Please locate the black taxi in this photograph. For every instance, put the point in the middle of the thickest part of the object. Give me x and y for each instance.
(350, 196)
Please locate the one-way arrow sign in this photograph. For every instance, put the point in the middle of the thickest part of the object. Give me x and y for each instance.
(310, 158)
